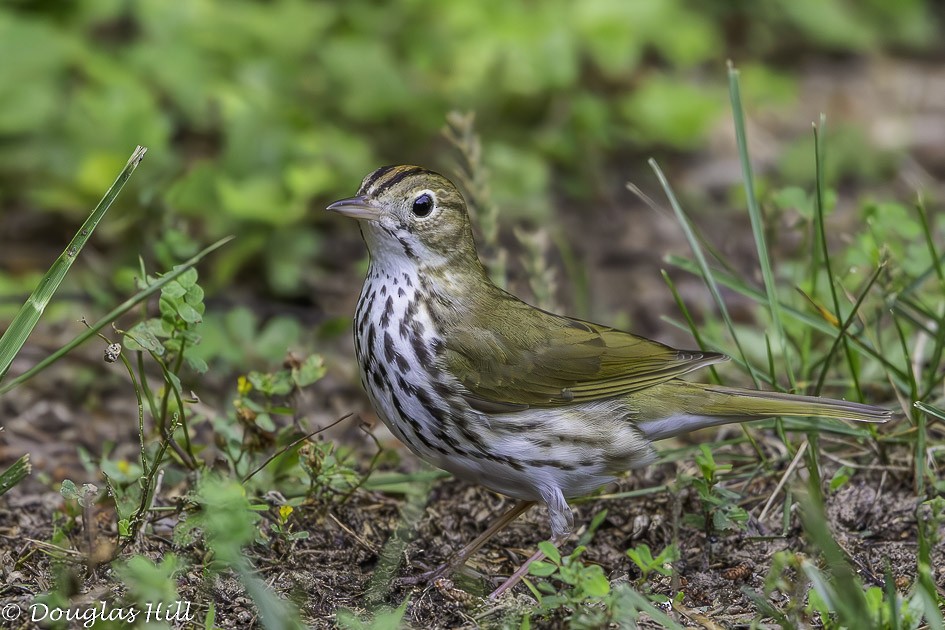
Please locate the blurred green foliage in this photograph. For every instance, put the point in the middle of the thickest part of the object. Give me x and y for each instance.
(257, 112)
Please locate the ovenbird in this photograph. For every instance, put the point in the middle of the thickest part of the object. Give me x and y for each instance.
(533, 405)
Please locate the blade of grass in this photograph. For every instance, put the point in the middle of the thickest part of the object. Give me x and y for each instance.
(392, 554)
(17, 471)
(112, 315)
(930, 409)
(939, 347)
(772, 374)
(757, 221)
(918, 316)
(737, 285)
(825, 253)
(841, 334)
(844, 589)
(703, 266)
(712, 285)
(919, 419)
(28, 316)
(693, 329)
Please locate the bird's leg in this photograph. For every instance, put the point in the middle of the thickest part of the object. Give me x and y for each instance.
(459, 558)
(522, 571)
(562, 522)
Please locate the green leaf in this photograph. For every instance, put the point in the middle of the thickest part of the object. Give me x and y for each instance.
(271, 384)
(666, 110)
(144, 337)
(69, 490)
(312, 369)
(188, 279)
(542, 569)
(189, 314)
(594, 581)
(550, 551)
(841, 477)
(174, 290)
(264, 422)
(196, 364)
(194, 297)
(642, 557)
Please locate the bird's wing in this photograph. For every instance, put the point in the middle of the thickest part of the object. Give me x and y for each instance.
(525, 357)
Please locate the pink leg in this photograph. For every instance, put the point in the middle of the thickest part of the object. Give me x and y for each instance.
(460, 558)
(504, 521)
(522, 571)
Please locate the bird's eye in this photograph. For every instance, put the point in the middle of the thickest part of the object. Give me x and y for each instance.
(423, 205)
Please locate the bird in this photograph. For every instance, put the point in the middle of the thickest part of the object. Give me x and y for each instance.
(534, 405)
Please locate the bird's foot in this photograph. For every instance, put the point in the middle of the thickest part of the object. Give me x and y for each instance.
(522, 571)
(426, 577)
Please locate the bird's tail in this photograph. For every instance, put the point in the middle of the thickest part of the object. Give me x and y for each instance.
(697, 406)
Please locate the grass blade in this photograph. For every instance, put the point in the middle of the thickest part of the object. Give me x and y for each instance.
(112, 315)
(930, 410)
(703, 265)
(28, 316)
(693, 329)
(757, 221)
(819, 212)
(17, 471)
(843, 589)
(899, 375)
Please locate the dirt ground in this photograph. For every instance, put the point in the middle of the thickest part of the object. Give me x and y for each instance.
(872, 517)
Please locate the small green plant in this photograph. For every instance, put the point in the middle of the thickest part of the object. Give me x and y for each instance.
(229, 523)
(643, 558)
(166, 338)
(584, 597)
(830, 593)
(813, 597)
(582, 588)
(330, 470)
(840, 478)
(384, 618)
(284, 529)
(583, 581)
(251, 436)
(148, 582)
(720, 511)
(273, 388)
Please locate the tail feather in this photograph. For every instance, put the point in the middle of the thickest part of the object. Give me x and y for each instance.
(698, 406)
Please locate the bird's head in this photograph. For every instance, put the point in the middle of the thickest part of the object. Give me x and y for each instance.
(412, 216)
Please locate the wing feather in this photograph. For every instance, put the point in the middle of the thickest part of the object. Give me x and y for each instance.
(525, 357)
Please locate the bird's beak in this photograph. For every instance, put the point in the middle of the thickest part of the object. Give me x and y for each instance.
(359, 207)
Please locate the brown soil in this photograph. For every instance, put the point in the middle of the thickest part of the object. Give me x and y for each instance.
(872, 518)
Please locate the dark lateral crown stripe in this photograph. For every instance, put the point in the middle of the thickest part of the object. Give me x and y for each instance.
(391, 177)
(376, 175)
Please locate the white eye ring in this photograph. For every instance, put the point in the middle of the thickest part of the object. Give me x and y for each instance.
(423, 204)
